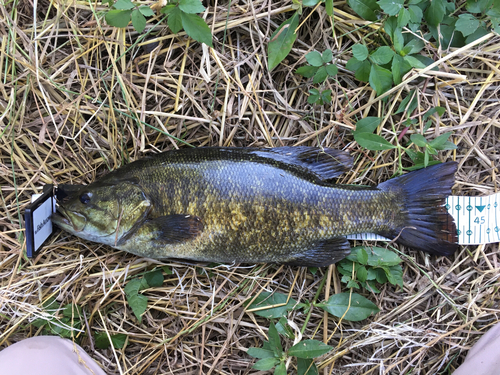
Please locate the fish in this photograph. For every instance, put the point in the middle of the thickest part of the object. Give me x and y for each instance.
(256, 205)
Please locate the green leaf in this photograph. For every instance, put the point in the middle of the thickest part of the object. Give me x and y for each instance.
(266, 364)
(306, 367)
(370, 285)
(138, 21)
(353, 284)
(146, 11)
(196, 28)
(413, 46)
(174, 20)
(403, 17)
(119, 340)
(362, 256)
(414, 62)
(397, 62)
(118, 18)
(314, 58)
(360, 52)
(466, 24)
(415, 13)
(307, 71)
(138, 303)
(394, 275)
(361, 69)
(441, 142)
(329, 7)
(365, 8)
(282, 41)
(312, 99)
(390, 25)
(362, 273)
(398, 40)
(167, 270)
(331, 70)
(404, 103)
(368, 124)
(359, 308)
(309, 349)
(310, 3)
(320, 75)
(372, 142)
(418, 139)
(327, 56)
(283, 328)
(274, 340)
(280, 369)
(267, 299)
(379, 256)
(191, 6)
(479, 33)
(382, 55)
(154, 278)
(124, 5)
(260, 353)
(380, 79)
(435, 12)
(478, 6)
(101, 340)
(326, 96)
(133, 286)
(169, 8)
(391, 7)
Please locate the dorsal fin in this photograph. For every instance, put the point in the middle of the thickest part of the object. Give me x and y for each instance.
(323, 163)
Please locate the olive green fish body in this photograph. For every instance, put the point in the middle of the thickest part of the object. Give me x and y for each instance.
(246, 205)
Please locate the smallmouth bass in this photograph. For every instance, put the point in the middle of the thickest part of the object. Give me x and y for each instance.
(249, 205)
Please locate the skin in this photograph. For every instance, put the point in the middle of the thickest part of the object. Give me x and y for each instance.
(231, 205)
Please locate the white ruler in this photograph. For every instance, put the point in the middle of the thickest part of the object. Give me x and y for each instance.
(477, 220)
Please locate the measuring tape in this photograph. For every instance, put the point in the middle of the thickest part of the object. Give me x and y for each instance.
(477, 220)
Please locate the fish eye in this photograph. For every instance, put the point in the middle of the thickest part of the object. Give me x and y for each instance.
(85, 198)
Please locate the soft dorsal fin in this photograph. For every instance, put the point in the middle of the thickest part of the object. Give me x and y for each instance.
(323, 163)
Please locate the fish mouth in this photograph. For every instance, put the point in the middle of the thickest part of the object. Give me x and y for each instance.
(62, 219)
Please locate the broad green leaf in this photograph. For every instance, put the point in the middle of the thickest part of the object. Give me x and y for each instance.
(282, 41)
(146, 11)
(360, 52)
(138, 303)
(394, 275)
(167, 270)
(370, 285)
(331, 70)
(314, 91)
(382, 55)
(358, 309)
(372, 142)
(267, 299)
(118, 340)
(320, 75)
(101, 340)
(309, 349)
(196, 28)
(418, 139)
(72, 311)
(134, 285)
(362, 256)
(274, 340)
(380, 79)
(307, 71)
(260, 353)
(396, 66)
(361, 69)
(118, 18)
(306, 367)
(362, 273)
(266, 364)
(414, 62)
(138, 20)
(478, 6)
(426, 163)
(435, 12)
(367, 124)
(365, 8)
(124, 5)
(169, 8)
(391, 7)
(326, 96)
(174, 20)
(390, 25)
(416, 14)
(377, 256)
(439, 142)
(327, 56)
(371, 273)
(479, 33)
(191, 6)
(448, 146)
(329, 7)
(403, 17)
(314, 58)
(398, 40)
(404, 103)
(154, 278)
(381, 277)
(283, 328)
(353, 284)
(280, 369)
(413, 46)
(466, 24)
(310, 3)
(312, 99)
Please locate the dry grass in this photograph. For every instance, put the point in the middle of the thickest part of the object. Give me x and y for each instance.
(80, 98)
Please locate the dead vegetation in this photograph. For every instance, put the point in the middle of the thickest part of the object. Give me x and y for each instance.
(80, 98)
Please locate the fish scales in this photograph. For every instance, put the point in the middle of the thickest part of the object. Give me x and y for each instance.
(248, 205)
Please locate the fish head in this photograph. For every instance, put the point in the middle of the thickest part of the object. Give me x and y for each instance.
(102, 212)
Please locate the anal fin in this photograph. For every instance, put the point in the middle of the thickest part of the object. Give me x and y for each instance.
(323, 253)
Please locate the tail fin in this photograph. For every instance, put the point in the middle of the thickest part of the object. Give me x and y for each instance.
(427, 225)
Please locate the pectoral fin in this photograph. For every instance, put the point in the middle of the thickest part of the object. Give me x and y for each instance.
(323, 254)
(168, 229)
